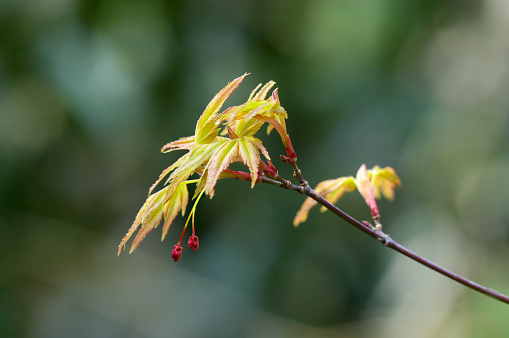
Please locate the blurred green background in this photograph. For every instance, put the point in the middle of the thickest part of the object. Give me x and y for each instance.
(91, 90)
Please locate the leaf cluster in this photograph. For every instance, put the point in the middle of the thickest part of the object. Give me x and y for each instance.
(220, 139)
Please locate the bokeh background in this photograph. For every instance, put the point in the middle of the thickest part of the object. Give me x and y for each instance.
(91, 90)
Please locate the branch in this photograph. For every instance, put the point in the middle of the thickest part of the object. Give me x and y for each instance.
(387, 241)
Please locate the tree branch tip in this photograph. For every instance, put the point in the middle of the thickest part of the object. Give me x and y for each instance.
(210, 153)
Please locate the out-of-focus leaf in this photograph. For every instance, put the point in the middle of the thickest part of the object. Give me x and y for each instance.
(332, 190)
(369, 183)
(367, 190)
(385, 181)
(338, 189)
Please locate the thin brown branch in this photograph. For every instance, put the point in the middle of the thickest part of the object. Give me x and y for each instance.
(380, 236)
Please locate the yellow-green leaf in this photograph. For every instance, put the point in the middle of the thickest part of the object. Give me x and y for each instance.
(184, 143)
(166, 172)
(338, 189)
(152, 203)
(220, 161)
(173, 206)
(302, 214)
(206, 124)
(262, 94)
(195, 159)
(258, 143)
(385, 181)
(250, 156)
(331, 190)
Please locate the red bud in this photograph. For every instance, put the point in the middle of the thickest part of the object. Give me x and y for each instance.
(176, 254)
(286, 159)
(273, 170)
(193, 242)
(289, 149)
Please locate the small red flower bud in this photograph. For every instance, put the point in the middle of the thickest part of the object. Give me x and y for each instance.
(291, 154)
(272, 170)
(289, 149)
(176, 254)
(286, 159)
(193, 242)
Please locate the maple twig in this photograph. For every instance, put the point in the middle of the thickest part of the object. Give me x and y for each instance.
(212, 154)
(380, 236)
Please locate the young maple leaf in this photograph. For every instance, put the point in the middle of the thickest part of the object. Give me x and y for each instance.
(385, 181)
(242, 123)
(371, 185)
(209, 154)
(367, 190)
(153, 210)
(331, 190)
(207, 127)
(371, 182)
(248, 118)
